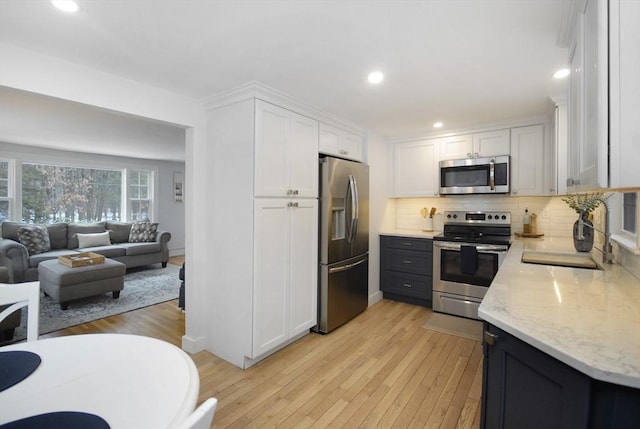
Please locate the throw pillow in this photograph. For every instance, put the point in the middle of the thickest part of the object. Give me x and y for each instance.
(142, 232)
(35, 238)
(92, 240)
(119, 231)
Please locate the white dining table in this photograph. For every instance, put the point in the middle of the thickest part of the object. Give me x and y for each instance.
(130, 381)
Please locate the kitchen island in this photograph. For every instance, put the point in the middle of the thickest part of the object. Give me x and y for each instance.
(562, 344)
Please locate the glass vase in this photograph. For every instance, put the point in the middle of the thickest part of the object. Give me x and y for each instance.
(586, 244)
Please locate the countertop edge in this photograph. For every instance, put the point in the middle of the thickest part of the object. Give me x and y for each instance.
(595, 373)
(493, 311)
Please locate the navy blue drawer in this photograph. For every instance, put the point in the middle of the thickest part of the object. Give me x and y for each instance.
(408, 262)
(407, 284)
(417, 244)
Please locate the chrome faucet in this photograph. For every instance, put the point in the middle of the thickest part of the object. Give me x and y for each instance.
(607, 248)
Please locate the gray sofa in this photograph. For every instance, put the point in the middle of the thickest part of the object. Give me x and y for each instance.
(23, 267)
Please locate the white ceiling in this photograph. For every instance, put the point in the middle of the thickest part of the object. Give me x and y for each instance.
(463, 62)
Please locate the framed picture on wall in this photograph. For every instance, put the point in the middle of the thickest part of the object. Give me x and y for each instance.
(178, 187)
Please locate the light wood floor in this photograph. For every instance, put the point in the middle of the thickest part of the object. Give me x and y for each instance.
(382, 369)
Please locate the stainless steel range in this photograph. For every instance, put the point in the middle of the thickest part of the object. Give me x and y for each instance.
(466, 258)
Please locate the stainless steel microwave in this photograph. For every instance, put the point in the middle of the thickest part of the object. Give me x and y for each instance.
(488, 175)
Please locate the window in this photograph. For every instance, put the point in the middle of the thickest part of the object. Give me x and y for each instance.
(39, 192)
(69, 194)
(629, 204)
(5, 190)
(140, 195)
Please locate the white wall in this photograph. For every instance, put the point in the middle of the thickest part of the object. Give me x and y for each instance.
(379, 206)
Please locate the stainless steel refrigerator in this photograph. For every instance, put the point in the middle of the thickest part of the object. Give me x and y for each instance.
(344, 242)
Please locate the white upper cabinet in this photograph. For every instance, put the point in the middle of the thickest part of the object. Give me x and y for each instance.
(527, 160)
(490, 143)
(415, 168)
(624, 94)
(416, 171)
(588, 100)
(456, 147)
(286, 144)
(340, 143)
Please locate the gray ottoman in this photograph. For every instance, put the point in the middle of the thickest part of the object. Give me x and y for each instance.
(65, 284)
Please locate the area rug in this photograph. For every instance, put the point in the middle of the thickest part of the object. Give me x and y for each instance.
(143, 287)
(453, 325)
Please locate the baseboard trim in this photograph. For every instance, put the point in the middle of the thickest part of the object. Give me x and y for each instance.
(192, 345)
(376, 297)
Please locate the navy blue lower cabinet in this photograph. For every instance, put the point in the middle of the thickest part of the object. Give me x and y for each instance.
(523, 388)
(406, 267)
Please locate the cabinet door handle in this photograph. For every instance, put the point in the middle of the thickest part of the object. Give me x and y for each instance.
(490, 338)
(469, 155)
(407, 244)
(408, 262)
(407, 285)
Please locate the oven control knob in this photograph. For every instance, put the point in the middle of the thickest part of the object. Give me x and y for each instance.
(455, 216)
(448, 216)
(504, 217)
(489, 217)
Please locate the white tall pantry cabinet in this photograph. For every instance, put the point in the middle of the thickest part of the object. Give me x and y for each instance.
(264, 181)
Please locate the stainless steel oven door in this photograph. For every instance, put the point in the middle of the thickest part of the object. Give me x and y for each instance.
(456, 291)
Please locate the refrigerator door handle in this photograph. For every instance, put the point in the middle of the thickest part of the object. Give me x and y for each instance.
(346, 267)
(353, 200)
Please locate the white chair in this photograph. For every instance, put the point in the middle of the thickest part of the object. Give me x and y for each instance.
(202, 417)
(22, 295)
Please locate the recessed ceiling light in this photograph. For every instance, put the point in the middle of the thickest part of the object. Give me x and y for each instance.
(66, 5)
(375, 77)
(438, 125)
(562, 73)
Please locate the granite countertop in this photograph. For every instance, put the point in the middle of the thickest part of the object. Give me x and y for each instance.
(588, 319)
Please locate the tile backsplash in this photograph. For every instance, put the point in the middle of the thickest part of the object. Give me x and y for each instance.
(554, 217)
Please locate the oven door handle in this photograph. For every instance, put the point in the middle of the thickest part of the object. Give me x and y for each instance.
(484, 248)
(493, 252)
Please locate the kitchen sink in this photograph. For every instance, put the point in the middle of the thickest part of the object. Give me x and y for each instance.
(560, 259)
